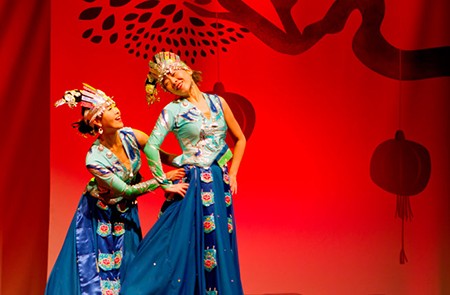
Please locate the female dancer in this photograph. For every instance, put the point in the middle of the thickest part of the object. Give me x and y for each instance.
(192, 248)
(105, 231)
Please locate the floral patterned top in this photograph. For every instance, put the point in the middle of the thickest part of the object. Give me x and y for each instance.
(201, 138)
(111, 176)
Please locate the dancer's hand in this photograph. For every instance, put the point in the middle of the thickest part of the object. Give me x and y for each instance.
(175, 174)
(178, 188)
(233, 184)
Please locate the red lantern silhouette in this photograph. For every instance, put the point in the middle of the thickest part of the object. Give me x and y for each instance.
(242, 110)
(401, 167)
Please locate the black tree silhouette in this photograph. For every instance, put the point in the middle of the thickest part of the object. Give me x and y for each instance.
(191, 29)
(151, 26)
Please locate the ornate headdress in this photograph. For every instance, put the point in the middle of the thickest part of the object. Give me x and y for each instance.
(95, 100)
(163, 63)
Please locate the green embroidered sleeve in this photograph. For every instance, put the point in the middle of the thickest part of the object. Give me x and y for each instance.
(163, 125)
(117, 187)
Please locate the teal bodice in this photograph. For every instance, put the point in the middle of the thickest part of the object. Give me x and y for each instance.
(111, 176)
(200, 138)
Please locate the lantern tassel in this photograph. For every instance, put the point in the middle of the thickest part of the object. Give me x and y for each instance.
(403, 211)
(403, 258)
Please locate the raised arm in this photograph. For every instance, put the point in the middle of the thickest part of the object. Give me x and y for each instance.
(239, 146)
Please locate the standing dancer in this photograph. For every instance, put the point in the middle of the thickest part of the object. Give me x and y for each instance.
(192, 248)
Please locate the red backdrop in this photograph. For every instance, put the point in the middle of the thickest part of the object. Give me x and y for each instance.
(24, 96)
(310, 218)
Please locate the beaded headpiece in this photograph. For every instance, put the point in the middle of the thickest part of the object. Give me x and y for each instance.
(95, 100)
(163, 63)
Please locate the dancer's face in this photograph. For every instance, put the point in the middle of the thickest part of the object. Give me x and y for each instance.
(111, 118)
(179, 82)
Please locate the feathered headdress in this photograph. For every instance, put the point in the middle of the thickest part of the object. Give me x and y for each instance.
(95, 100)
(163, 63)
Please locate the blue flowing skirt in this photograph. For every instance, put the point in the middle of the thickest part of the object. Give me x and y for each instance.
(192, 248)
(99, 244)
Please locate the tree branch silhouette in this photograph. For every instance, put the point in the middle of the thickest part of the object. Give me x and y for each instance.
(369, 45)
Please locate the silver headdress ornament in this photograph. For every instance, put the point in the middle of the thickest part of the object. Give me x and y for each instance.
(163, 63)
(94, 99)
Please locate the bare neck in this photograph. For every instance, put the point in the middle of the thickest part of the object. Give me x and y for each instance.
(195, 95)
(110, 140)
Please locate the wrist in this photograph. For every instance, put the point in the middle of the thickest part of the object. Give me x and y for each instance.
(166, 185)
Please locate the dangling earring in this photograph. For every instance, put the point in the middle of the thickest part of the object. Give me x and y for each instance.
(100, 130)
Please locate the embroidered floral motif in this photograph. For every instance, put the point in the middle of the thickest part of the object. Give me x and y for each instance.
(104, 229)
(108, 261)
(206, 177)
(119, 229)
(117, 259)
(105, 261)
(226, 178)
(109, 292)
(110, 287)
(207, 198)
(210, 259)
(230, 225)
(102, 205)
(228, 199)
(208, 223)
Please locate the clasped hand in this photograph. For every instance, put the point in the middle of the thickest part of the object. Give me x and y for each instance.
(178, 188)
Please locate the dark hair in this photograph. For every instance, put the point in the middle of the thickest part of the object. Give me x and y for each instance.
(197, 76)
(83, 127)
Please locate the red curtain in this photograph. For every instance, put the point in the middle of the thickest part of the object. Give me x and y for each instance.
(24, 92)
